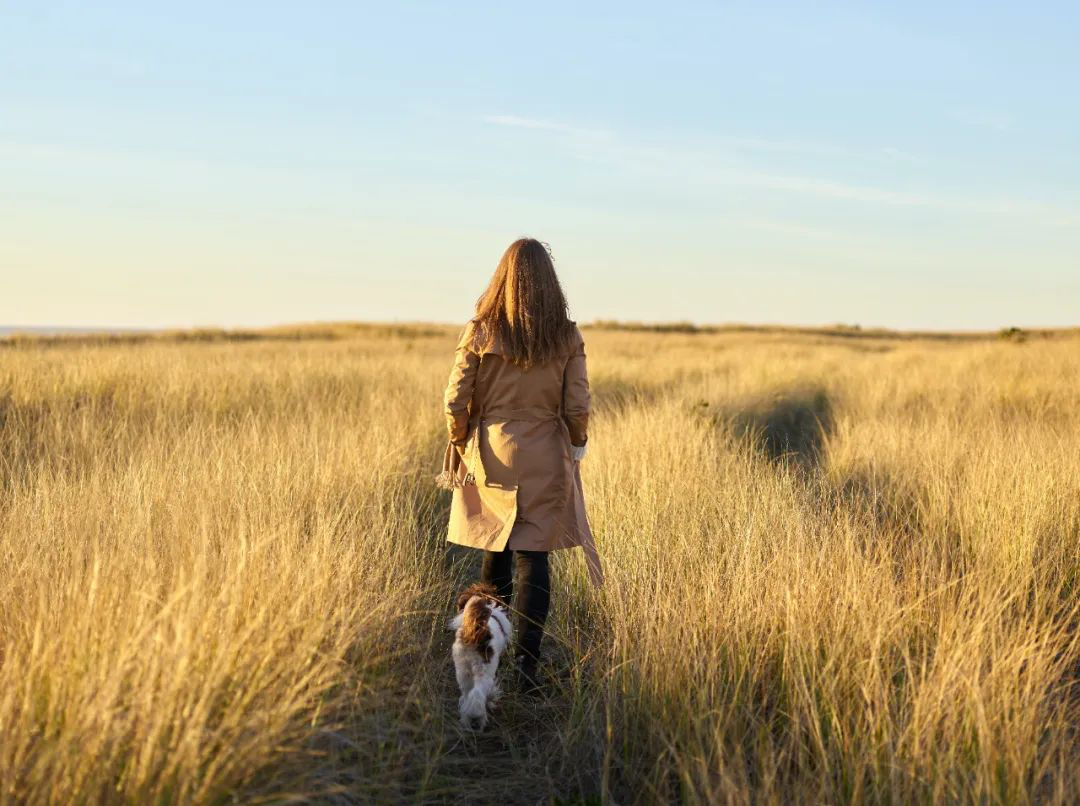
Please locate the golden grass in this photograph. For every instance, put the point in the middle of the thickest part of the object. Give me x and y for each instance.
(841, 568)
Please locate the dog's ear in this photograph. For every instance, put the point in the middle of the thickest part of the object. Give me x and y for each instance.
(476, 589)
(493, 593)
(485, 589)
(489, 591)
(463, 599)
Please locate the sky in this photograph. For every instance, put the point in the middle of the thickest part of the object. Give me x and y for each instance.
(908, 165)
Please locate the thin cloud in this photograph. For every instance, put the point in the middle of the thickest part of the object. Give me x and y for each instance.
(801, 148)
(872, 195)
(839, 190)
(718, 164)
(733, 143)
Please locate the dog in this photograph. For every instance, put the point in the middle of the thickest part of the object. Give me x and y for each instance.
(482, 633)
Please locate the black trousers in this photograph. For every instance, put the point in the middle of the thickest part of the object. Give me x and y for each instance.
(533, 582)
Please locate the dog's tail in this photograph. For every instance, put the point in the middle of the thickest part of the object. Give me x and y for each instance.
(474, 604)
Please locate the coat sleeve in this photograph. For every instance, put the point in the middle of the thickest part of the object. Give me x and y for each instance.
(575, 395)
(459, 389)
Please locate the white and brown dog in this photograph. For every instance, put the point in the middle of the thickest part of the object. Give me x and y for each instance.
(483, 632)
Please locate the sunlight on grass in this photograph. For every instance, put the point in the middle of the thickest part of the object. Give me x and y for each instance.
(840, 569)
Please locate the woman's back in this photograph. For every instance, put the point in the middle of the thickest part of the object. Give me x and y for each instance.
(514, 427)
(504, 386)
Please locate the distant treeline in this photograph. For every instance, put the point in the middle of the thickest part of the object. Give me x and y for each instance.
(839, 330)
(332, 331)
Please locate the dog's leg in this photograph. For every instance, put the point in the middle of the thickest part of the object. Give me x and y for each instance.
(474, 704)
(464, 673)
(485, 684)
(495, 691)
(465, 683)
(464, 677)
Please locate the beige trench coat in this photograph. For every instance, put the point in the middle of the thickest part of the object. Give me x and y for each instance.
(513, 429)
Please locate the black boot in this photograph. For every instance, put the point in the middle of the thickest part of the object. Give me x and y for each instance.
(528, 678)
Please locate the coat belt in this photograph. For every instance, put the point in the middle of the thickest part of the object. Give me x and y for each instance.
(532, 414)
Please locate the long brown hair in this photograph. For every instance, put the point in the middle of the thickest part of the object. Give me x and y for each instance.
(524, 307)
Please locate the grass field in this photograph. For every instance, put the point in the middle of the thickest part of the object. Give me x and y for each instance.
(842, 567)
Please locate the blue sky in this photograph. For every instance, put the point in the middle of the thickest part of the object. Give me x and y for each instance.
(905, 165)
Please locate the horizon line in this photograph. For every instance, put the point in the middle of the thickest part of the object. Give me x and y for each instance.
(670, 325)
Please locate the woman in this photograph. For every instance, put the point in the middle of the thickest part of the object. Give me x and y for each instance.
(517, 409)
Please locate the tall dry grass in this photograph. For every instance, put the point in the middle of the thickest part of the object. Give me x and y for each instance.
(840, 569)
